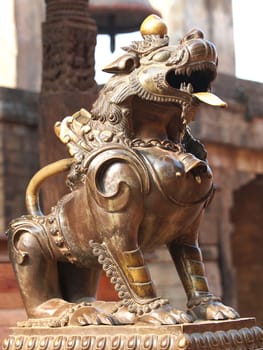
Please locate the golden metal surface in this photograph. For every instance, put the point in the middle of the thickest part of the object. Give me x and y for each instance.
(238, 334)
(32, 191)
(137, 179)
(153, 25)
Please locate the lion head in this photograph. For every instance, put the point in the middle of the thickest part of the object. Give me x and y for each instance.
(155, 71)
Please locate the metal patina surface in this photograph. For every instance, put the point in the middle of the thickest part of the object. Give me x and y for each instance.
(235, 334)
(137, 179)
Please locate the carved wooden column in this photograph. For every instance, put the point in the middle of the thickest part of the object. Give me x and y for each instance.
(69, 39)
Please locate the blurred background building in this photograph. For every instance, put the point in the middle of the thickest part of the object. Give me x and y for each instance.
(36, 91)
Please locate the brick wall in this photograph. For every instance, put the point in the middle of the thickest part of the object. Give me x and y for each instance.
(18, 162)
(18, 150)
(247, 243)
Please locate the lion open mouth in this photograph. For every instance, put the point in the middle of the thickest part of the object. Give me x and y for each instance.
(196, 80)
(198, 77)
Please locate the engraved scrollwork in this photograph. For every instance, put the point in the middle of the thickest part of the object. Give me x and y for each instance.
(102, 343)
(32, 343)
(159, 80)
(116, 199)
(148, 339)
(19, 342)
(178, 58)
(149, 44)
(87, 342)
(117, 342)
(248, 336)
(258, 334)
(72, 342)
(232, 339)
(58, 342)
(44, 343)
(7, 343)
(183, 341)
(165, 342)
(236, 338)
(212, 340)
(132, 342)
(149, 342)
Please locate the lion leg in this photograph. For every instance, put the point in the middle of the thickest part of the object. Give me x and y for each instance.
(118, 219)
(35, 269)
(119, 251)
(202, 304)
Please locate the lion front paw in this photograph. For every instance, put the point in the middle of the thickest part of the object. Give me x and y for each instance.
(161, 315)
(85, 314)
(212, 308)
(165, 315)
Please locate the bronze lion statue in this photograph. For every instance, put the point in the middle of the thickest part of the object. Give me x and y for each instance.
(137, 179)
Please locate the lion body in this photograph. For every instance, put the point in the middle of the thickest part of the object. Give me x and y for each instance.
(138, 180)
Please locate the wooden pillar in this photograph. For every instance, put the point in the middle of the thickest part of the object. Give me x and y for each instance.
(69, 39)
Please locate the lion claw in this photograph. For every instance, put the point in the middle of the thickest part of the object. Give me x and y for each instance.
(166, 316)
(219, 311)
(89, 315)
(213, 310)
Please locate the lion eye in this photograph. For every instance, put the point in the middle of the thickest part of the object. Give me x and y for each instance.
(161, 56)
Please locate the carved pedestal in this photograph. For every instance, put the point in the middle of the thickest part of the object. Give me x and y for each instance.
(239, 334)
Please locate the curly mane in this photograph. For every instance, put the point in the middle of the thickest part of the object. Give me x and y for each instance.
(113, 106)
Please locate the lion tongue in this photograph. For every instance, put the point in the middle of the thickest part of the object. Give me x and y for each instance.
(209, 98)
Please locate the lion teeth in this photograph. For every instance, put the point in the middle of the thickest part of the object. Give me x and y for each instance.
(190, 88)
(188, 71)
(186, 87)
(183, 86)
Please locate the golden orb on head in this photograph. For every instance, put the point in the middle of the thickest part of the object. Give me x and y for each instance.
(153, 25)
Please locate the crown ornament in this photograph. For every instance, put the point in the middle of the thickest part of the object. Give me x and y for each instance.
(154, 32)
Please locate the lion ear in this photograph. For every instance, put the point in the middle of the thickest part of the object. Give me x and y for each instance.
(124, 64)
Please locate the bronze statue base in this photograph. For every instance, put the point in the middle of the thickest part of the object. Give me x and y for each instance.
(238, 334)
